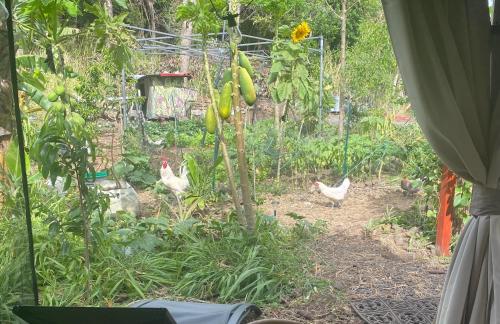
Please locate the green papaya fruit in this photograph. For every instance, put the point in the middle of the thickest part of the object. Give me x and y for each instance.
(52, 96)
(245, 63)
(210, 121)
(247, 88)
(226, 77)
(225, 100)
(58, 107)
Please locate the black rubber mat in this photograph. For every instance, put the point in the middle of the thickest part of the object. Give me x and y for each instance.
(385, 311)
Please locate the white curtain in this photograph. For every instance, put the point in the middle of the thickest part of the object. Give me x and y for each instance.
(444, 50)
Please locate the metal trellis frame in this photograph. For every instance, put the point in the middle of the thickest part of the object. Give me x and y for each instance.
(259, 48)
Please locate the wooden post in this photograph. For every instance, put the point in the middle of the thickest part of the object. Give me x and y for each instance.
(445, 214)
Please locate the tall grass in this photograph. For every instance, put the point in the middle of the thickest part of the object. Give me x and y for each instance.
(210, 259)
(224, 263)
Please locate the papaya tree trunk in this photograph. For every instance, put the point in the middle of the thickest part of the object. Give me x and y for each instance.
(220, 133)
(343, 41)
(6, 112)
(239, 131)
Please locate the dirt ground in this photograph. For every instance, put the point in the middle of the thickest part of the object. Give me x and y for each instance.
(358, 260)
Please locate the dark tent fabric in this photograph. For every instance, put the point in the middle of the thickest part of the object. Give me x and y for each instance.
(443, 49)
(195, 313)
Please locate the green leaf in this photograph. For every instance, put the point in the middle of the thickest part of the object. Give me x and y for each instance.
(273, 77)
(301, 71)
(31, 62)
(284, 55)
(36, 95)
(67, 183)
(284, 91)
(53, 175)
(13, 160)
(71, 8)
(29, 78)
(276, 67)
(121, 3)
(274, 95)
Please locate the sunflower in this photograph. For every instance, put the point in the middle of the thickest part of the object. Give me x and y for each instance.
(300, 32)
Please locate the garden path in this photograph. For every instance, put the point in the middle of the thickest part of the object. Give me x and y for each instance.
(359, 260)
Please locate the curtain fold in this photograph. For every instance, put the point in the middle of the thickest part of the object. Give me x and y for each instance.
(448, 58)
(447, 81)
(494, 144)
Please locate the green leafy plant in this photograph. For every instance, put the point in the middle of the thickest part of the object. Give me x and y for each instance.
(461, 204)
(46, 24)
(135, 168)
(136, 258)
(289, 78)
(93, 100)
(201, 13)
(200, 184)
(64, 149)
(238, 266)
(113, 40)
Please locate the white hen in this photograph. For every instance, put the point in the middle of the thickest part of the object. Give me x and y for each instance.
(336, 194)
(177, 185)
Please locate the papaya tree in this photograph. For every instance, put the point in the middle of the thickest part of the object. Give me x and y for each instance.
(240, 74)
(200, 13)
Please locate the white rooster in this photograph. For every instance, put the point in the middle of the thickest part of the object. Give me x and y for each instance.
(178, 185)
(336, 194)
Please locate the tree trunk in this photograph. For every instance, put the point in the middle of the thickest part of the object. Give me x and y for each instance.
(6, 111)
(151, 16)
(343, 41)
(187, 30)
(49, 53)
(86, 233)
(225, 154)
(108, 5)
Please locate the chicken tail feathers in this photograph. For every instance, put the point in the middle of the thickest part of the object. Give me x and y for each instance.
(184, 171)
(346, 183)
